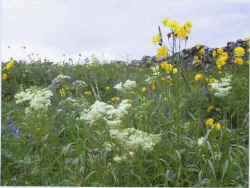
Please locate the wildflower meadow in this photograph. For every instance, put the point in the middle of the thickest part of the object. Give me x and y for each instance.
(122, 124)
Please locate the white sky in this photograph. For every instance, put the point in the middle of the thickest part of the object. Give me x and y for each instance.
(114, 28)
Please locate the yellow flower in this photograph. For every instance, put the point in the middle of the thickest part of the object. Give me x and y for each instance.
(143, 89)
(107, 88)
(202, 51)
(246, 39)
(62, 92)
(163, 78)
(219, 51)
(239, 51)
(188, 24)
(238, 60)
(213, 53)
(4, 76)
(152, 86)
(60, 75)
(210, 108)
(197, 46)
(217, 126)
(175, 70)
(211, 80)
(156, 38)
(161, 51)
(198, 77)
(10, 64)
(165, 22)
(209, 122)
(65, 86)
(87, 92)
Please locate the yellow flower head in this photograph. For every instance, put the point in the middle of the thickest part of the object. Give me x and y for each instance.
(214, 53)
(238, 60)
(219, 51)
(10, 64)
(156, 38)
(175, 70)
(239, 51)
(165, 22)
(217, 126)
(153, 86)
(87, 92)
(197, 46)
(4, 76)
(188, 24)
(209, 122)
(211, 80)
(161, 51)
(60, 75)
(210, 108)
(62, 92)
(198, 77)
(143, 89)
(202, 51)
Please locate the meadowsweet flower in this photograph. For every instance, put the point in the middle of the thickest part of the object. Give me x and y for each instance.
(239, 51)
(161, 51)
(201, 141)
(156, 38)
(131, 139)
(39, 99)
(128, 85)
(198, 77)
(238, 60)
(223, 87)
(4, 76)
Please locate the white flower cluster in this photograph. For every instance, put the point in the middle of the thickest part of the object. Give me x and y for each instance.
(222, 88)
(132, 138)
(201, 141)
(128, 85)
(39, 99)
(100, 110)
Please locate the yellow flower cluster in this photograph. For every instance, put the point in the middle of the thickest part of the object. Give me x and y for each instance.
(162, 51)
(196, 60)
(214, 53)
(178, 30)
(202, 51)
(156, 38)
(238, 60)
(210, 108)
(239, 51)
(221, 60)
(8, 65)
(168, 67)
(219, 51)
(4, 76)
(211, 124)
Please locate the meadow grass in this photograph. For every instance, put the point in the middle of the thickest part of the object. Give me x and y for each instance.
(55, 147)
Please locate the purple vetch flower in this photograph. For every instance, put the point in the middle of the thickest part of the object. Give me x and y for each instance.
(14, 130)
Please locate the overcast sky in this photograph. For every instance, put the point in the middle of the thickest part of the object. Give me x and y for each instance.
(120, 29)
